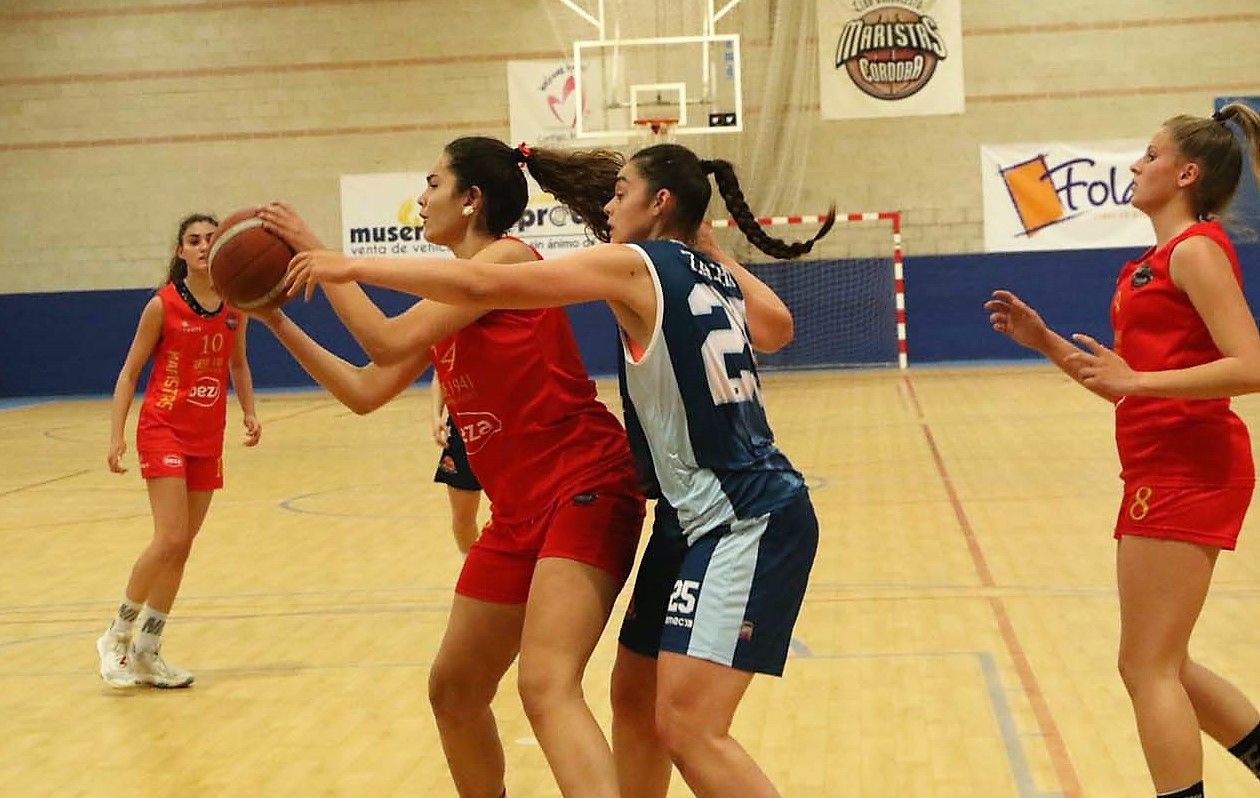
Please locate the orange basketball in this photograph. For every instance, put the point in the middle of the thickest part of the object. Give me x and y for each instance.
(247, 263)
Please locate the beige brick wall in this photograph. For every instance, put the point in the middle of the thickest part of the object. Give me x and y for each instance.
(119, 116)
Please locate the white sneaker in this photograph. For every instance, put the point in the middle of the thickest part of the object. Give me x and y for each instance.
(115, 660)
(149, 668)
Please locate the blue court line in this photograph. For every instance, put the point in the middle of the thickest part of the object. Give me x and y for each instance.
(1012, 740)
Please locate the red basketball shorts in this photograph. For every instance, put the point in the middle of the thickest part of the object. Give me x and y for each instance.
(598, 527)
(1210, 515)
(201, 473)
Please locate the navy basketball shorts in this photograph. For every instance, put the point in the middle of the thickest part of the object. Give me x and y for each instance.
(453, 468)
(732, 597)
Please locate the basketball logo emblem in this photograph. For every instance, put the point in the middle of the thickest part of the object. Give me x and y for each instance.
(891, 52)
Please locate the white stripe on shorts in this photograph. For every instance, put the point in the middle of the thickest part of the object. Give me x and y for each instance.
(724, 596)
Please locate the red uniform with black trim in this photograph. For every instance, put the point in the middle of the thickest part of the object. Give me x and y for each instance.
(182, 419)
(553, 460)
(1186, 463)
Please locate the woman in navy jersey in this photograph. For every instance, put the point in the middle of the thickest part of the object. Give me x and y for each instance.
(735, 534)
(463, 491)
(195, 342)
(1184, 342)
(566, 512)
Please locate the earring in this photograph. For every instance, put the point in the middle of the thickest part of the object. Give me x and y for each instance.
(469, 210)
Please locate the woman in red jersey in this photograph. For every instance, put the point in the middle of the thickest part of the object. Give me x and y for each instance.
(195, 342)
(1185, 341)
(566, 511)
(724, 574)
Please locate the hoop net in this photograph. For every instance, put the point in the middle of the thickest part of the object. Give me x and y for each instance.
(655, 130)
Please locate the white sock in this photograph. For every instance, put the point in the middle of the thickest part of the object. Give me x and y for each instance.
(150, 636)
(128, 611)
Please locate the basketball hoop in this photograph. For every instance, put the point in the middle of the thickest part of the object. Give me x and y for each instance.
(656, 130)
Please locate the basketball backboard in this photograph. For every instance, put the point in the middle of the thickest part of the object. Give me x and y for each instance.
(693, 75)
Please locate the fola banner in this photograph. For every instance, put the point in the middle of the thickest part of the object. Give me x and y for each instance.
(380, 217)
(879, 58)
(1061, 196)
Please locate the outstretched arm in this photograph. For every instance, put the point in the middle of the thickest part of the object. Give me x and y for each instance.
(385, 339)
(610, 272)
(1012, 317)
(360, 388)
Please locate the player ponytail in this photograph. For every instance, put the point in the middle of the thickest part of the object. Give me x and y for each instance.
(582, 180)
(178, 269)
(1209, 142)
(678, 170)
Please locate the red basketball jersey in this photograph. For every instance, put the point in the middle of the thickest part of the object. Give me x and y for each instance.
(1173, 441)
(185, 401)
(526, 409)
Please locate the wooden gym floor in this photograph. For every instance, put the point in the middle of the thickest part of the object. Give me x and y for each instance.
(958, 638)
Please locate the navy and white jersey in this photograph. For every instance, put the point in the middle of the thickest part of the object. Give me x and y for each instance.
(692, 399)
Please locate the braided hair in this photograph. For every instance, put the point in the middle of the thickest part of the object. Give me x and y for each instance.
(677, 169)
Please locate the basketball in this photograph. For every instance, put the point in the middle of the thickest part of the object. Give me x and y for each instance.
(247, 263)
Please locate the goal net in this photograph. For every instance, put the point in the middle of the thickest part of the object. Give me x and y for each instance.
(849, 310)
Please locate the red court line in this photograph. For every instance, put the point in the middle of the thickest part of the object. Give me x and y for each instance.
(255, 135)
(1112, 24)
(1057, 749)
(1129, 91)
(171, 8)
(184, 73)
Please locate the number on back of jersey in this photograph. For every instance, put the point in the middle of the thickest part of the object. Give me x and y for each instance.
(725, 348)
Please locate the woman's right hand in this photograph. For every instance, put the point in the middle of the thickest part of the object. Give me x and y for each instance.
(439, 428)
(116, 451)
(270, 317)
(1010, 316)
(281, 219)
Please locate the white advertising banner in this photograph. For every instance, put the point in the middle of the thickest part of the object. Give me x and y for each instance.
(542, 103)
(881, 58)
(380, 217)
(1061, 196)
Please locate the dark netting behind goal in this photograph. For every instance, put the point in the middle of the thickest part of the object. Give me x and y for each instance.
(847, 300)
(845, 312)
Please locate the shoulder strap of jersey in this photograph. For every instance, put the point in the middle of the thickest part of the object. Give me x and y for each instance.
(1209, 229)
(537, 254)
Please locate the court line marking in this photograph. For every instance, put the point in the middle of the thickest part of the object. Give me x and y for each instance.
(1059, 757)
(71, 475)
(1012, 740)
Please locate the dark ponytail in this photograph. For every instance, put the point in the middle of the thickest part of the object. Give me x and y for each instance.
(177, 269)
(676, 168)
(582, 180)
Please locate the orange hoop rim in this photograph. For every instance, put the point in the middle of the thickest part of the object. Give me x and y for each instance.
(657, 122)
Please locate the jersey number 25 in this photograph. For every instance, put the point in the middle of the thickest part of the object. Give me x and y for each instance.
(725, 350)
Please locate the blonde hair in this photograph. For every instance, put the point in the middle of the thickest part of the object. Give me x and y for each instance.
(1210, 143)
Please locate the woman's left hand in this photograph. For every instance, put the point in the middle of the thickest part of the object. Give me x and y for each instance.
(253, 430)
(1100, 368)
(316, 266)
